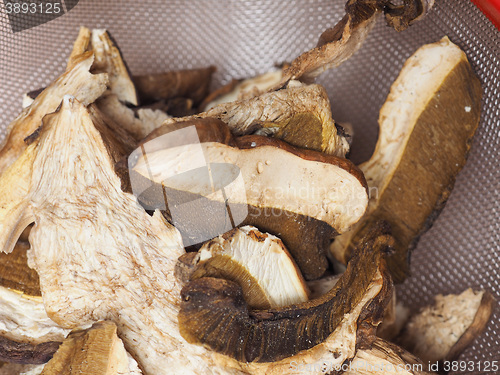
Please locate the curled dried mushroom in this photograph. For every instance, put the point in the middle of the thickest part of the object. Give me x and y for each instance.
(258, 262)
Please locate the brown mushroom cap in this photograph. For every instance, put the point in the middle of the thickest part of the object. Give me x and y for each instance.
(214, 313)
(258, 262)
(426, 130)
(305, 205)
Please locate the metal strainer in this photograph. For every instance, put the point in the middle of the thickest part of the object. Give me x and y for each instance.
(243, 38)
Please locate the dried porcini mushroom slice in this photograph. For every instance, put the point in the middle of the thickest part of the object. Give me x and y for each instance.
(387, 358)
(257, 261)
(125, 257)
(242, 89)
(97, 350)
(76, 80)
(139, 126)
(299, 115)
(214, 313)
(426, 129)
(211, 187)
(108, 59)
(340, 42)
(189, 83)
(23, 319)
(443, 330)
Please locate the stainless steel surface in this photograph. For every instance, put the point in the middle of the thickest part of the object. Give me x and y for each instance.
(242, 38)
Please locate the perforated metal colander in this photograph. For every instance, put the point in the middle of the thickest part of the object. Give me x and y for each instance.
(243, 38)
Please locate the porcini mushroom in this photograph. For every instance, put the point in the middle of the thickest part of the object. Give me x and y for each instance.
(440, 332)
(76, 80)
(426, 130)
(214, 313)
(212, 186)
(258, 262)
(189, 83)
(27, 335)
(242, 89)
(339, 43)
(97, 350)
(108, 59)
(299, 114)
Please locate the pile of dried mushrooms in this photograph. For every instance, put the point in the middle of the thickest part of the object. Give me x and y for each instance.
(117, 258)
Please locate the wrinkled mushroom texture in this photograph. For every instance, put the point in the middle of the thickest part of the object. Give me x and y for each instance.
(126, 258)
(298, 114)
(387, 358)
(244, 89)
(426, 128)
(76, 80)
(214, 313)
(189, 83)
(339, 43)
(443, 330)
(258, 262)
(305, 205)
(97, 350)
(108, 59)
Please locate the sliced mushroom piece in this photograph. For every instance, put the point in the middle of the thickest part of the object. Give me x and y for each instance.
(97, 350)
(339, 43)
(25, 328)
(77, 81)
(189, 83)
(209, 188)
(126, 258)
(299, 115)
(426, 130)
(140, 126)
(243, 89)
(214, 313)
(108, 59)
(258, 262)
(82, 216)
(444, 330)
(387, 358)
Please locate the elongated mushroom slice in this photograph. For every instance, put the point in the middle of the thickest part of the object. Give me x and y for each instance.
(299, 115)
(209, 188)
(257, 261)
(214, 313)
(444, 330)
(387, 358)
(108, 59)
(77, 81)
(426, 129)
(190, 83)
(97, 350)
(340, 42)
(244, 89)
